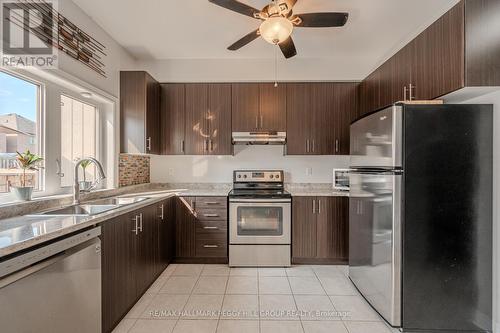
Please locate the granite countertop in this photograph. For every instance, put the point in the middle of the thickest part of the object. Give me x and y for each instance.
(315, 190)
(21, 232)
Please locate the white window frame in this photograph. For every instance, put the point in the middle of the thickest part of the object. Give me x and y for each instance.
(40, 128)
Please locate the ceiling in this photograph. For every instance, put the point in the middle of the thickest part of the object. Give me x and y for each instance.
(197, 29)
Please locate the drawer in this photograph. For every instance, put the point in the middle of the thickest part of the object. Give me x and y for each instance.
(209, 214)
(211, 248)
(212, 202)
(203, 226)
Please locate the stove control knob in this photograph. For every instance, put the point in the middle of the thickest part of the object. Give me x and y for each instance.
(272, 176)
(239, 176)
(277, 175)
(244, 176)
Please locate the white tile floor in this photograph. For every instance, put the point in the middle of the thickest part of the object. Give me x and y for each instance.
(215, 298)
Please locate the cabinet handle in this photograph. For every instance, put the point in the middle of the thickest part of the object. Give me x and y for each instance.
(207, 246)
(182, 146)
(313, 146)
(336, 145)
(211, 215)
(412, 87)
(314, 206)
(211, 145)
(261, 122)
(162, 210)
(136, 220)
(307, 145)
(148, 143)
(140, 222)
(212, 203)
(206, 145)
(319, 206)
(256, 122)
(405, 91)
(211, 228)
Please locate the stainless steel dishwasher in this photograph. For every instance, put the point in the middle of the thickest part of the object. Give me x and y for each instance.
(54, 288)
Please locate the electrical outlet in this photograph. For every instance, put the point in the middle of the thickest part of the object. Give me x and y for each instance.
(170, 171)
(309, 171)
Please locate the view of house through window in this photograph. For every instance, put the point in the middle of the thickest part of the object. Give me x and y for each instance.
(79, 138)
(19, 107)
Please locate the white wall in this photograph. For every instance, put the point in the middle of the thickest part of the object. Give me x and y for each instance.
(117, 58)
(219, 169)
(494, 98)
(237, 70)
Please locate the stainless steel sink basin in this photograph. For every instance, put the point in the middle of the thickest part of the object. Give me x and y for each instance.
(92, 208)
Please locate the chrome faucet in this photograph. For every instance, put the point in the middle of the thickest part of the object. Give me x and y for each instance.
(76, 186)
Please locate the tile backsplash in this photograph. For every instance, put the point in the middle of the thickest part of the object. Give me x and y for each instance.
(133, 169)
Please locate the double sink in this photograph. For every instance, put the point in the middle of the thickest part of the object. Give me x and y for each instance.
(93, 207)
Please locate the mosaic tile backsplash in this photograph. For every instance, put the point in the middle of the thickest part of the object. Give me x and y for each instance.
(133, 169)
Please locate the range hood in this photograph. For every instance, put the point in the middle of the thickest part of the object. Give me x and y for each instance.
(259, 138)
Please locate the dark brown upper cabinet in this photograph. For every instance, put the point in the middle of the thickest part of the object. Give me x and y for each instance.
(258, 107)
(173, 97)
(208, 119)
(459, 50)
(139, 113)
(245, 107)
(318, 117)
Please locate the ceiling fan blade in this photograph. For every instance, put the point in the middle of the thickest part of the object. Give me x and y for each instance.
(245, 40)
(288, 48)
(322, 20)
(237, 6)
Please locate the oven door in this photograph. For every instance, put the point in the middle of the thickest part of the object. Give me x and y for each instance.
(260, 221)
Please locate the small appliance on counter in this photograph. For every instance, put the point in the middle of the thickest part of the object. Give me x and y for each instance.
(341, 179)
(260, 220)
(420, 218)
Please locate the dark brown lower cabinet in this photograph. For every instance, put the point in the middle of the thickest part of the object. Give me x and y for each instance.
(132, 247)
(320, 230)
(201, 230)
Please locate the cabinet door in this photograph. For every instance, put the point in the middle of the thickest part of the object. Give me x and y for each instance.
(145, 248)
(185, 227)
(219, 119)
(322, 128)
(386, 76)
(344, 110)
(402, 73)
(132, 112)
(272, 107)
(332, 228)
(370, 93)
(304, 230)
(245, 107)
(299, 118)
(196, 132)
(172, 119)
(118, 275)
(152, 115)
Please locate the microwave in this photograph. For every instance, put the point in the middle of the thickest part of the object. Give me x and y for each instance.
(341, 179)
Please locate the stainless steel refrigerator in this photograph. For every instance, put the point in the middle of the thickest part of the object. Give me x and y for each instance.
(420, 220)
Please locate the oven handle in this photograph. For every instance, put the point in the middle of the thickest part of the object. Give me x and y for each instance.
(270, 201)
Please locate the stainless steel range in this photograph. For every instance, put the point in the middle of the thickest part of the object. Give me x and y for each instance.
(259, 220)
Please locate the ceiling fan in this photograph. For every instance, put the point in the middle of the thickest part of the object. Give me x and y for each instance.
(278, 22)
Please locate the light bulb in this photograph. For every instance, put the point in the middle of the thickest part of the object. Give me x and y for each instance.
(276, 30)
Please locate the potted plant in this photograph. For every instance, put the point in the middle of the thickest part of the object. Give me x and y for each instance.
(26, 161)
(85, 185)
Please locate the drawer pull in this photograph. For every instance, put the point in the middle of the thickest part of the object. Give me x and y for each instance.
(212, 203)
(211, 228)
(211, 215)
(210, 246)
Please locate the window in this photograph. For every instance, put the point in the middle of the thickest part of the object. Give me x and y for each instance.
(19, 129)
(79, 137)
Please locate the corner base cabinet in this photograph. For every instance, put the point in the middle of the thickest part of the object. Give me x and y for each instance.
(201, 230)
(320, 231)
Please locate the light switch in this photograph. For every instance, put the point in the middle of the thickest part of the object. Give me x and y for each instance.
(309, 171)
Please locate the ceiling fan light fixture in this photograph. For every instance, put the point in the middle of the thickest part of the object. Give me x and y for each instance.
(276, 30)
